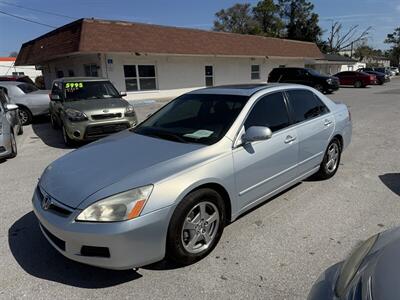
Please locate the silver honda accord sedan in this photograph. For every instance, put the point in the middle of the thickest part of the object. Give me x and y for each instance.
(169, 186)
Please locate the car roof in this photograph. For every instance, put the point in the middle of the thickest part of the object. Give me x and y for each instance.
(12, 83)
(69, 79)
(239, 89)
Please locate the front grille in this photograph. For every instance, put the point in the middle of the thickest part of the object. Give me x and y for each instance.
(54, 207)
(106, 116)
(99, 130)
(95, 251)
(58, 242)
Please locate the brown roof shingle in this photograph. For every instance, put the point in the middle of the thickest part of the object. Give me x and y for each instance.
(100, 36)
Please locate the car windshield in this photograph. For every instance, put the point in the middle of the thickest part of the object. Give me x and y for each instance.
(89, 90)
(27, 88)
(194, 118)
(315, 73)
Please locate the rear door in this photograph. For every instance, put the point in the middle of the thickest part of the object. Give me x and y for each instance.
(315, 125)
(263, 166)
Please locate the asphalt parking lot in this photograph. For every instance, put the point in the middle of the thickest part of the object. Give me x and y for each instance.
(274, 252)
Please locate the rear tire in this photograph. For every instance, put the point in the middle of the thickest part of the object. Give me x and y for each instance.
(358, 84)
(24, 115)
(196, 226)
(331, 161)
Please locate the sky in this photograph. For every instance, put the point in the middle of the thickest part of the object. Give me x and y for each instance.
(382, 15)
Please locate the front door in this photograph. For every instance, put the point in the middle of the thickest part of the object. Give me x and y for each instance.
(263, 166)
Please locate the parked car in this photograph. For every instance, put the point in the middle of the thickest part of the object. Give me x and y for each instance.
(31, 101)
(171, 184)
(309, 77)
(88, 108)
(380, 77)
(17, 78)
(395, 70)
(371, 272)
(385, 70)
(357, 79)
(10, 126)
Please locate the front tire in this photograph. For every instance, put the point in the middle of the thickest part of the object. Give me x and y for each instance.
(53, 122)
(14, 150)
(331, 161)
(196, 226)
(67, 140)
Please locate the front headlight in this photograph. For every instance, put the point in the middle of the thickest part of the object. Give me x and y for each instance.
(129, 111)
(352, 264)
(75, 115)
(329, 81)
(120, 207)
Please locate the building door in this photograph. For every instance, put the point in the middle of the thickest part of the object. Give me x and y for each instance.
(209, 75)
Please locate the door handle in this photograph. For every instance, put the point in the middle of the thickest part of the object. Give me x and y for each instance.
(327, 122)
(289, 139)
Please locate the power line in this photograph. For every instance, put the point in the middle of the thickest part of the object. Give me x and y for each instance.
(38, 10)
(25, 19)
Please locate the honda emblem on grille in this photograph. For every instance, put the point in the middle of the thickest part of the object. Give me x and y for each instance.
(46, 202)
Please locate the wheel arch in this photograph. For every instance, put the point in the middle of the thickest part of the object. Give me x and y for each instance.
(340, 139)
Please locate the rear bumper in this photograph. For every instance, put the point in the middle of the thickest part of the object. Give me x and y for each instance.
(129, 244)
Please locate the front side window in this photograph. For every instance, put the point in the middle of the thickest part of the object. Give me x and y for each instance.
(255, 72)
(305, 105)
(270, 111)
(89, 90)
(140, 77)
(194, 118)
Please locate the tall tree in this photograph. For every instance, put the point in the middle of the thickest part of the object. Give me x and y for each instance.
(301, 21)
(394, 40)
(266, 14)
(236, 19)
(340, 39)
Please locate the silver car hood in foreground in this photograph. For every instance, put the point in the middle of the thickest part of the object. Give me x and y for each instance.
(79, 174)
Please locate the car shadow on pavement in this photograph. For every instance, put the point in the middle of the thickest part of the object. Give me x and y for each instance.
(392, 181)
(38, 258)
(51, 137)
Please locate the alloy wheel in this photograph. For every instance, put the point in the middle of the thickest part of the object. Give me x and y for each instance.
(200, 227)
(333, 157)
(23, 116)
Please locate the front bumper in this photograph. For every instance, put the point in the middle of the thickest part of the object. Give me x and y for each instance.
(5, 145)
(332, 87)
(91, 130)
(324, 287)
(130, 244)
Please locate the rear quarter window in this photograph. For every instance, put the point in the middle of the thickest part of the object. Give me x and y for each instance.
(305, 105)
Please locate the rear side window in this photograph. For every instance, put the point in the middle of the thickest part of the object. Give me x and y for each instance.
(305, 105)
(27, 88)
(269, 111)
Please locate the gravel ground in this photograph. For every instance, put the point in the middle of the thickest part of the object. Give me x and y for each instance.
(274, 252)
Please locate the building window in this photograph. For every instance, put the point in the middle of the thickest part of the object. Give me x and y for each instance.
(140, 77)
(255, 72)
(71, 73)
(209, 74)
(60, 74)
(91, 70)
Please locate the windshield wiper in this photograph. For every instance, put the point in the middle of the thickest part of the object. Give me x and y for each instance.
(168, 136)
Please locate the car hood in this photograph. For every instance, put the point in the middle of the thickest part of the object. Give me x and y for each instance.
(80, 173)
(95, 104)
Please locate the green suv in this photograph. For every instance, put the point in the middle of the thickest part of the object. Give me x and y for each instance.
(88, 108)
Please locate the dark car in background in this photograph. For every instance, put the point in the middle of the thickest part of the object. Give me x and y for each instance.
(356, 79)
(380, 77)
(371, 272)
(305, 76)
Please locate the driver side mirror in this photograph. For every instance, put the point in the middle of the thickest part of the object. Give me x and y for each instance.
(256, 133)
(10, 107)
(55, 97)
